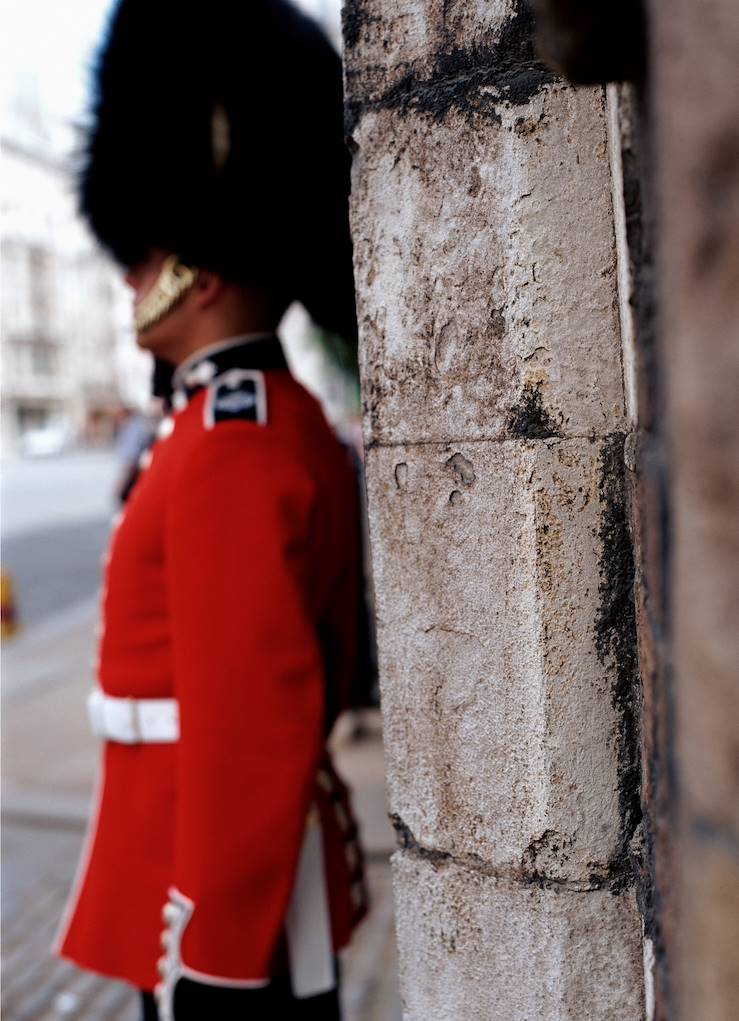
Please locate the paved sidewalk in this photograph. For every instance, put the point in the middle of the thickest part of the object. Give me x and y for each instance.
(49, 761)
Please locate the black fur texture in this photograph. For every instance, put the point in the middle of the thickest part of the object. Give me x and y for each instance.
(276, 213)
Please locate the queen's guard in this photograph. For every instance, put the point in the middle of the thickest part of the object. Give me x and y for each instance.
(222, 872)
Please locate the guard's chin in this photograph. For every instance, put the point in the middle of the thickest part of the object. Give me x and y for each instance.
(150, 339)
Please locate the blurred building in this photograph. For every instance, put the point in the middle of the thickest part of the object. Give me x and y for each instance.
(68, 357)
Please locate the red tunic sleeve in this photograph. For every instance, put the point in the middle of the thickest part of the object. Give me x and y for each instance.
(249, 680)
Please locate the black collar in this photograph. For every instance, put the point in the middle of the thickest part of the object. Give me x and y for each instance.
(262, 352)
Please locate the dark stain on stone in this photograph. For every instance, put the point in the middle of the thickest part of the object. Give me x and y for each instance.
(548, 853)
(401, 475)
(354, 17)
(473, 81)
(615, 636)
(407, 842)
(475, 183)
(498, 323)
(531, 872)
(462, 469)
(529, 419)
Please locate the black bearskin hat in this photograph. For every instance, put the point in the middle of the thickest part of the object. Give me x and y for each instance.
(217, 135)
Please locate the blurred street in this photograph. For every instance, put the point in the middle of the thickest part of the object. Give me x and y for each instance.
(56, 515)
(56, 520)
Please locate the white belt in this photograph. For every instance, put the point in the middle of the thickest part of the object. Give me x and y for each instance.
(133, 720)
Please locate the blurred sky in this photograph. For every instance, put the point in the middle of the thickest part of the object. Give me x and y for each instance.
(46, 49)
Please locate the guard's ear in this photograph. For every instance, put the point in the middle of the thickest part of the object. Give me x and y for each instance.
(208, 288)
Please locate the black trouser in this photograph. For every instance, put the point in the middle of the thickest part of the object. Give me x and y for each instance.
(196, 1002)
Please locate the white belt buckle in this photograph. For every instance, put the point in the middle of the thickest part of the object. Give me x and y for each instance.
(116, 719)
(133, 720)
(133, 715)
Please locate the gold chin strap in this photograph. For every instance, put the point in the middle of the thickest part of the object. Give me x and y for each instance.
(172, 284)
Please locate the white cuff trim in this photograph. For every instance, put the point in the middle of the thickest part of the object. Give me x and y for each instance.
(176, 914)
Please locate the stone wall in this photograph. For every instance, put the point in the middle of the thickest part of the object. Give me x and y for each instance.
(694, 75)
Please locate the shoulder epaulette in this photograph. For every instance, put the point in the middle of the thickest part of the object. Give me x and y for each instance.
(236, 395)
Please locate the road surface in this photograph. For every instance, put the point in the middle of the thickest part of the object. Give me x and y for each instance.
(56, 515)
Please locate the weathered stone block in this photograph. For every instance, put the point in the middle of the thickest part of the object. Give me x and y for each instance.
(416, 41)
(487, 297)
(501, 720)
(475, 947)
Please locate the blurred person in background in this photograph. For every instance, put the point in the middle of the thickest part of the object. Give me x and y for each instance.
(222, 872)
(134, 433)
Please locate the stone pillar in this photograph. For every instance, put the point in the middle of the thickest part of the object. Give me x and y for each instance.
(495, 425)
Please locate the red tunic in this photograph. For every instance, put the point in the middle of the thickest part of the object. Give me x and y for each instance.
(232, 586)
